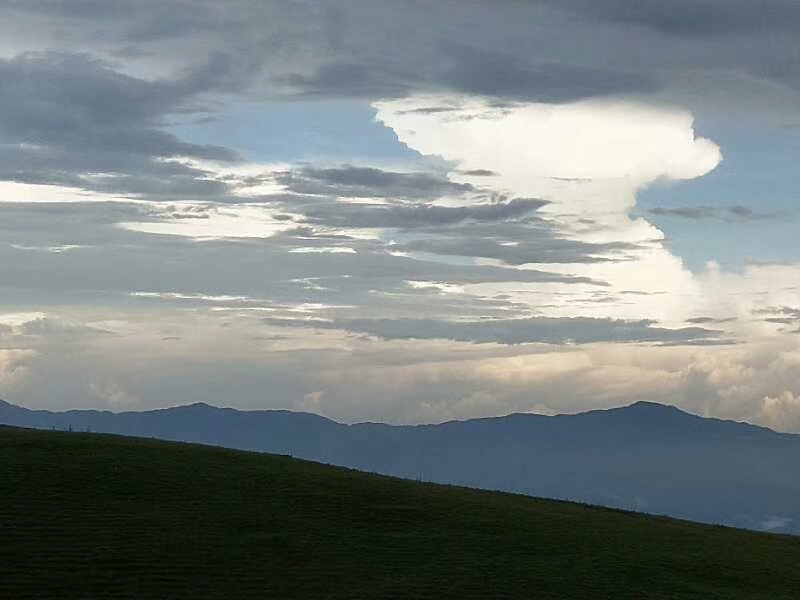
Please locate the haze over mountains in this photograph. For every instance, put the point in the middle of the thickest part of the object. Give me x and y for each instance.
(645, 457)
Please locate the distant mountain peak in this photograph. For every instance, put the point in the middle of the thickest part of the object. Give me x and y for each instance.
(647, 405)
(642, 408)
(646, 414)
(201, 405)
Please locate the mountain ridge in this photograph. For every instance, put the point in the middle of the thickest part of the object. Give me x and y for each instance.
(639, 407)
(645, 457)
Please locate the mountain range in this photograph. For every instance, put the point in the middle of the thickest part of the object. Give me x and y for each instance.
(645, 457)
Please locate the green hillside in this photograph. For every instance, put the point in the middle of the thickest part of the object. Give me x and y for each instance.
(94, 516)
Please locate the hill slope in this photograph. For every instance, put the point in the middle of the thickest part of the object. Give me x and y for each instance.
(644, 457)
(95, 516)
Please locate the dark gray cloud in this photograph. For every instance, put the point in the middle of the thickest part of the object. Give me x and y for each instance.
(546, 249)
(527, 240)
(495, 227)
(546, 50)
(780, 315)
(700, 320)
(475, 71)
(154, 18)
(84, 258)
(515, 76)
(479, 173)
(708, 320)
(352, 80)
(411, 217)
(151, 10)
(67, 118)
(369, 182)
(725, 213)
(577, 330)
(695, 17)
(781, 320)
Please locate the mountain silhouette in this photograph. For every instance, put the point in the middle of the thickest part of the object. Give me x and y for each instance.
(646, 457)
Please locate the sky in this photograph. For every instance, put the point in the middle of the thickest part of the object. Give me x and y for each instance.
(403, 211)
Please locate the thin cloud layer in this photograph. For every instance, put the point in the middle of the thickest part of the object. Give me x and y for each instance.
(729, 213)
(521, 331)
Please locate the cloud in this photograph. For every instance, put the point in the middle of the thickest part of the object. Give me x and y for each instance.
(720, 381)
(589, 161)
(727, 213)
(514, 76)
(515, 244)
(696, 17)
(784, 315)
(107, 262)
(55, 328)
(72, 120)
(360, 181)
(350, 80)
(407, 47)
(480, 173)
(410, 217)
(93, 115)
(593, 141)
(759, 297)
(707, 320)
(520, 331)
(472, 70)
(211, 355)
(211, 221)
(546, 51)
(14, 372)
(755, 382)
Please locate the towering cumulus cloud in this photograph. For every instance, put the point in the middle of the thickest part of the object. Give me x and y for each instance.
(587, 160)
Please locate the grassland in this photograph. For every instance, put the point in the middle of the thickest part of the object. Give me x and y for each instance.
(94, 516)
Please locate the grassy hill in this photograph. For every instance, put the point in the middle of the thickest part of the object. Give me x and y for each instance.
(95, 516)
